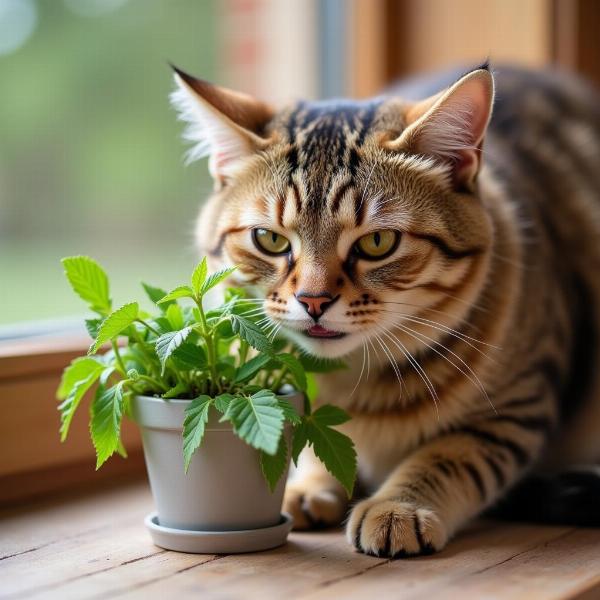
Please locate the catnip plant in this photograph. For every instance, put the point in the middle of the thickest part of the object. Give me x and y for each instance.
(222, 359)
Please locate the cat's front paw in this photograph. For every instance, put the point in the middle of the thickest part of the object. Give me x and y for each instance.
(394, 529)
(313, 507)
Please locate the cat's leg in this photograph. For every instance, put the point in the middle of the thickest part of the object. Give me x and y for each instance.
(314, 497)
(442, 485)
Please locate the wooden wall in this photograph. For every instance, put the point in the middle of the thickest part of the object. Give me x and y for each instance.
(394, 38)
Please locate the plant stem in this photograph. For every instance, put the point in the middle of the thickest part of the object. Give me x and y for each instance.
(244, 347)
(148, 326)
(210, 346)
(154, 382)
(120, 362)
(277, 383)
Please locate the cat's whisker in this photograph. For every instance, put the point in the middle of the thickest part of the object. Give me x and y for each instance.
(471, 375)
(362, 369)
(418, 368)
(254, 312)
(426, 308)
(392, 362)
(467, 339)
(275, 332)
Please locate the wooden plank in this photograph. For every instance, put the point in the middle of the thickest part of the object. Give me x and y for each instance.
(575, 36)
(366, 48)
(32, 356)
(96, 546)
(323, 565)
(31, 526)
(563, 568)
(30, 406)
(423, 36)
(29, 485)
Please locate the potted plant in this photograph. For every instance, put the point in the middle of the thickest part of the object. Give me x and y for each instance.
(221, 404)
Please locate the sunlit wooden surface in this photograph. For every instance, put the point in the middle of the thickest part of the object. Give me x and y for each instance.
(95, 546)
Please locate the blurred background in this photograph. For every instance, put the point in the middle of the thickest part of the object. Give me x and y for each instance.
(90, 156)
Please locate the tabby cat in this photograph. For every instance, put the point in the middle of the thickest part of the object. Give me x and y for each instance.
(458, 279)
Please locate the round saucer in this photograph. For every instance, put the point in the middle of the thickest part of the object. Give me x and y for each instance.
(218, 542)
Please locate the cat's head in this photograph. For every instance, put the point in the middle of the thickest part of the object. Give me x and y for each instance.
(349, 218)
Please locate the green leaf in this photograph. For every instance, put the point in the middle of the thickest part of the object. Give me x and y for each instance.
(89, 281)
(289, 412)
(234, 293)
(199, 276)
(257, 419)
(312, 389)
(105, 426)
(93, 326)
(300, 439)
(77, 371)
(189, 356)
(156, 294)
(215, 279)
(250, 368)
(114, 324)
(175, 316)
(331, 415)
(222, 402)
(162, 324)
(295, 368)
(167, 343)
(175, 391)
(250, 332)
(121, 449)
(196, 417)
(315, 364)
(76, 392)
(273, 466)
(333, 448)
(183, 291)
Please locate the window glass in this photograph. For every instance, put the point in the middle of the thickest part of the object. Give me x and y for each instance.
(91, 160)
(90, 154)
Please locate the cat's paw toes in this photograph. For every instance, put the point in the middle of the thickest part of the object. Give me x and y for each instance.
(393, 529)
(313, 509)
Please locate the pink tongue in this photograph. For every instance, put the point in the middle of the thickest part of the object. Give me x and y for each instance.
(317, 330)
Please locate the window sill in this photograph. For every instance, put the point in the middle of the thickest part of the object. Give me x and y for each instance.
(33, 462)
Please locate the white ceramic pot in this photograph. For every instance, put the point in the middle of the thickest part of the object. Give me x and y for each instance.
(224, 488)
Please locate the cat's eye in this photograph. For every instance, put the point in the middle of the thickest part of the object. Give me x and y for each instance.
(378, 244)
(270, 242)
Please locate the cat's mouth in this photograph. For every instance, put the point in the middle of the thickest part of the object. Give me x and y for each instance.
(318, 331)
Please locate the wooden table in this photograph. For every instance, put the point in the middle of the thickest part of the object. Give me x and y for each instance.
(96, 546)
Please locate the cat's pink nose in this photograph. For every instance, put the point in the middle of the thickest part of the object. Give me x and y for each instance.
(315, 304)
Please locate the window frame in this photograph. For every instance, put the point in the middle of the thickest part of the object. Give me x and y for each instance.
(33, 462)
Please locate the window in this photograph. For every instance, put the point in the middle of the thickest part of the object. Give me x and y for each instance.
(91, 157)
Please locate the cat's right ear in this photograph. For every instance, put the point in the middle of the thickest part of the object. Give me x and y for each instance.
(222, 124)
(450, 126)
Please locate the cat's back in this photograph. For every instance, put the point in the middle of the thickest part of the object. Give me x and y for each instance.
(543, 141)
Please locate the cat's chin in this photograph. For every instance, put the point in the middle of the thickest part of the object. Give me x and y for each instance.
(325, 346)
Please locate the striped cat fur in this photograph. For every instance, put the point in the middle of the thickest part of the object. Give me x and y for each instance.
(471, 341)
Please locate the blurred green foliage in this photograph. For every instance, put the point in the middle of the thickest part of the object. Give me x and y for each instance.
(90, 153)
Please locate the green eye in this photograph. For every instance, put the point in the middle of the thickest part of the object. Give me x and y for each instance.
(270, 242)
(377, 245)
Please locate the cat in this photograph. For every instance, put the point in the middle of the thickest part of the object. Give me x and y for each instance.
(458, 279)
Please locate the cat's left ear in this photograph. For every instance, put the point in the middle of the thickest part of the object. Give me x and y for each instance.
(451, 125)
(224, 125)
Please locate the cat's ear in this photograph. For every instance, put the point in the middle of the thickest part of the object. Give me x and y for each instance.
(222, 124)
(451, 125)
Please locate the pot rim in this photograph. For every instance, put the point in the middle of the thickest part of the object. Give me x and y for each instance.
(287, 394)
(151, 412)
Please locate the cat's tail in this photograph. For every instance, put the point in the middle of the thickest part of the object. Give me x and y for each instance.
(568, 498)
